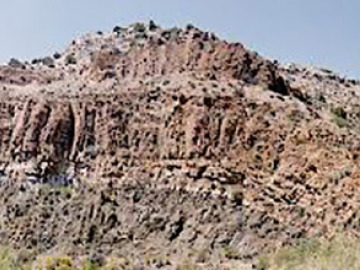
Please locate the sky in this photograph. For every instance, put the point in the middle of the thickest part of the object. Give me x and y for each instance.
(323, 33)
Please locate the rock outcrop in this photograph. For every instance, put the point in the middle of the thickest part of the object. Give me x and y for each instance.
(217, 134)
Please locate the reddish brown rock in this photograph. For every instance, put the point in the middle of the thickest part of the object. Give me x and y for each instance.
(182, 110)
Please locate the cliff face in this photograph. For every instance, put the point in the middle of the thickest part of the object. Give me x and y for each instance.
(180, 109)
(130, 98)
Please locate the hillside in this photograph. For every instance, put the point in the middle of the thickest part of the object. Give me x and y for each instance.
(149, 143)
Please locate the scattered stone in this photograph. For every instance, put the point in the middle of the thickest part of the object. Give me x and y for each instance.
(152, 26)
(70, 60)
(14, 63)
(48, 61)
(57, 55)
(156, 141)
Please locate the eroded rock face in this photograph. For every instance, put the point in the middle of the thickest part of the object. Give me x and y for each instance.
(132, 221)
(132, 98)
(181, 111)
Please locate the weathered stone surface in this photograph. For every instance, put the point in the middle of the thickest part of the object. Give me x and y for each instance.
(235, 149)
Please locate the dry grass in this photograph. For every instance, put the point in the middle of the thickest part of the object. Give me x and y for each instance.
(342, 253)
(8, 261)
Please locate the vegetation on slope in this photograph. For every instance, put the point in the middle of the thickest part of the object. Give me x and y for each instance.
(341, 253)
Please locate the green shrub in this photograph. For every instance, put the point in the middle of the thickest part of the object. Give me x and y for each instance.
(139, 27)
(340, 122)
(90, 266)
(339, 116)
(339, 112)
(231, 253)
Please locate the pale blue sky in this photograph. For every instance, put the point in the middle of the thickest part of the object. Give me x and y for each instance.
(318, 32)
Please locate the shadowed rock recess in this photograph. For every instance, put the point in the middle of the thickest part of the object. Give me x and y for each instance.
(172, 143)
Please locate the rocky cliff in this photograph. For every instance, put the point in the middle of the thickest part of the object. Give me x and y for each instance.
(145, 138)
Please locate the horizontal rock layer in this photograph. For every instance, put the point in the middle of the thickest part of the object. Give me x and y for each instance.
(181, 111)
